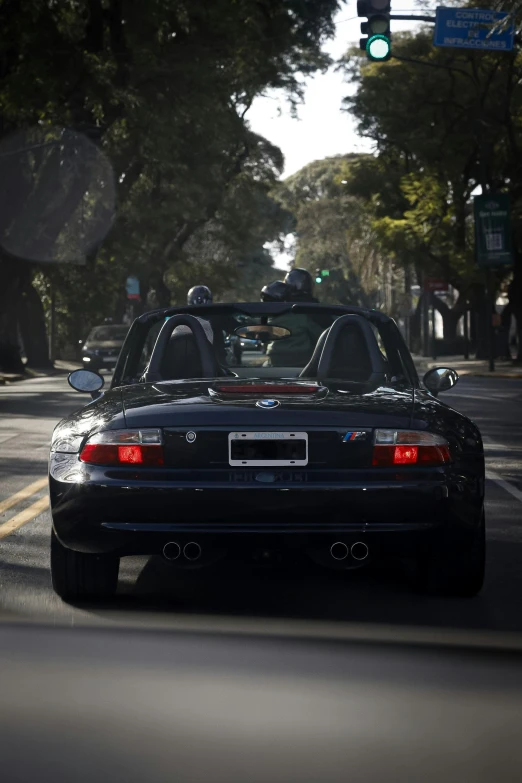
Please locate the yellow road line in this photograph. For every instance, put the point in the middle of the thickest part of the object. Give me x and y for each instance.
(23, 494)
(23, 517)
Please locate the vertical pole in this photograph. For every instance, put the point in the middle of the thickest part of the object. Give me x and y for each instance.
(407, 291)
(425, 321)
(466, 332)
(490, 299)
(433, 336)
(52, 326)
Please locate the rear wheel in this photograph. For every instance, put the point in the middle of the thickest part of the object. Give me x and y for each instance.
(77, 576)
(455, 571)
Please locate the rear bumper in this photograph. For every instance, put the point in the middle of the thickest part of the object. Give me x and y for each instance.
(127, 512)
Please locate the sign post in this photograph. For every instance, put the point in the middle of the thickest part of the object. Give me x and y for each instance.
(473, 28)
(493, 248)
(493, 239)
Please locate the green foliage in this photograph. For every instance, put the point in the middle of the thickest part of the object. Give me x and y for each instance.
(334, 230)
(163, 88)
(449, 120)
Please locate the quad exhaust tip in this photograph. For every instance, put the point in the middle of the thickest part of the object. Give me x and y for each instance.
(192, 551)
(339, 551)
(359, 550)
(172, 550)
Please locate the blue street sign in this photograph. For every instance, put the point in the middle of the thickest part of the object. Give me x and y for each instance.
(470, 28)
(133, 287)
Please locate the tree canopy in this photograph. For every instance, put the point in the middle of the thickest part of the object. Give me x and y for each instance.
(444, 123)
(162, 90)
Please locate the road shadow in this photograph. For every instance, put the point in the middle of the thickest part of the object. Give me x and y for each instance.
(380, 596)
(41, 405)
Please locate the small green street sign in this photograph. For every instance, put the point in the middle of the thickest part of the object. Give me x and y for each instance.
(325, 272)
(493, 241)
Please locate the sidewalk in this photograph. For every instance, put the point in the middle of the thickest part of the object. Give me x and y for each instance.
(60, 368)
(478, 368)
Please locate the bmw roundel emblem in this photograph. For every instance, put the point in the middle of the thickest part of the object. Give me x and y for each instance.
(267, 403)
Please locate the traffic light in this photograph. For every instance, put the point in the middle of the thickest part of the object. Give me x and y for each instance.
(320, 274)
(377, 43)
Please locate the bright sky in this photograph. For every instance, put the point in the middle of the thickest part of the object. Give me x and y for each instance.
(321, 129)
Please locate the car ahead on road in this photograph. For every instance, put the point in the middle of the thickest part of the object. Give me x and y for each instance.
(341, 456)
(102, 346)
(248, 344)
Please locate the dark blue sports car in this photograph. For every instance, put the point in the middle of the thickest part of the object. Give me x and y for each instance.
(326, 446)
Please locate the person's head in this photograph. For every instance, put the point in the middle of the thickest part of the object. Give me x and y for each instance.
(199, 295)
(300, 285)
(275, 292)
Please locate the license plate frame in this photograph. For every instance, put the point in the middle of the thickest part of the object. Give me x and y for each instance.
(263, 437)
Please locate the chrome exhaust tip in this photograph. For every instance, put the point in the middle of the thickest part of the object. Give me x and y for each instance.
(192, 551)
(339, 551)
(359, 550)
(171, 551)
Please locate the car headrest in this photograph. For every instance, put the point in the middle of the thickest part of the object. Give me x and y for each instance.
(350, 352)
(192, 357)
(181, 358)
(350, 360)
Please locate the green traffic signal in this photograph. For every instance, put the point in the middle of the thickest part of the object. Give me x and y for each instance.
(378, 47)
(318, 279)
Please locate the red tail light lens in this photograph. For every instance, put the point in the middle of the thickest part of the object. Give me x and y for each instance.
(124, 447)
(408, 447)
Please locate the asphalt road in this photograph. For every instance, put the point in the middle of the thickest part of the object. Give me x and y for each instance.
(28, 412)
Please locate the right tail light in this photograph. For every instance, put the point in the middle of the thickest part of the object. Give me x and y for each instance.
(409, 447)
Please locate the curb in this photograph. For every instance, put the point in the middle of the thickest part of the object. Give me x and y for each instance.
(8, 379)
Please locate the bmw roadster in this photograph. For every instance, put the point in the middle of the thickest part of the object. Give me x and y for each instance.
(327, 445)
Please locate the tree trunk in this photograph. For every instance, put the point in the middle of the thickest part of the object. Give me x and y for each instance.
(482, 316)
(32, 328)
(517, 312)
(10, 285)
(515, 304)
(415, 328)
(450, 315)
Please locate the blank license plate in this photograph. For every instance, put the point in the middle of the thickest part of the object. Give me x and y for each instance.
(268, 449)
(109, 358)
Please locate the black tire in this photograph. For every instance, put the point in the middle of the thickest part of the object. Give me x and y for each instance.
(78, 577)
(455, 570)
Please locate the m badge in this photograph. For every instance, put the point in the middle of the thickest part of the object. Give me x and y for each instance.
(350, 436)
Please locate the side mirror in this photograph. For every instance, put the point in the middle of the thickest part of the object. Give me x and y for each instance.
(440, 379)
(86, 381)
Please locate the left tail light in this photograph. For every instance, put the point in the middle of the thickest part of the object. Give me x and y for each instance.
(409, 447)
(124, 447)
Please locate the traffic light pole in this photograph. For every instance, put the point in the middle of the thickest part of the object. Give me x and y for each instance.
(413, 18)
